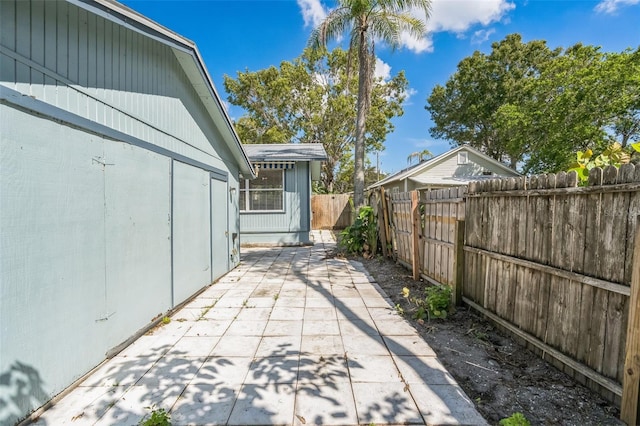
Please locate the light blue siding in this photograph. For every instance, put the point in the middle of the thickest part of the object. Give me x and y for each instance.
(52, 251)
(106, 196)
(107, 73)
(191, 230)
(137, 203)
(293, 225)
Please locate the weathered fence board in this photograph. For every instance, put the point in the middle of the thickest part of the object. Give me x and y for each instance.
(442, 211)
(402, 226)
(631, 378)
(330, 211)
(546, 259)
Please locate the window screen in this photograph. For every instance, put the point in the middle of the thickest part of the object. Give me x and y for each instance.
(266, 192)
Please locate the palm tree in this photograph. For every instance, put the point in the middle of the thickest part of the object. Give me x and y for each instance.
(385, 20)
(419, 155)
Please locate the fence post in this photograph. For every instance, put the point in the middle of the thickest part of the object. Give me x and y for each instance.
(386, 214)
(631, 379)
(458, 263)
(415, 235)
(382, 229)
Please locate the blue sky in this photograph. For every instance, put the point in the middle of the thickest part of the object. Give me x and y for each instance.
(239, 35)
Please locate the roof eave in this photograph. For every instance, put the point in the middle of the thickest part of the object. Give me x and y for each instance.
(180, 46)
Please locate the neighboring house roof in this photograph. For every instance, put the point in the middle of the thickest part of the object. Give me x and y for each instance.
(418, 173)
(286, 152)
(191, 61)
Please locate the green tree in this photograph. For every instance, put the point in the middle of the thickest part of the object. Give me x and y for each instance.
(621, 78)
(481, 103)
(368, 20)
(344, 178)
(307, 100)
(420, 156)
(567, 110)
(527, 105)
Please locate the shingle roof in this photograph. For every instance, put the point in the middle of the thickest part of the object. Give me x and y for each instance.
(286, 152)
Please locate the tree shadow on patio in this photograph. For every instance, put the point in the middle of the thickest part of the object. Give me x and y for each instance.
(209, 390)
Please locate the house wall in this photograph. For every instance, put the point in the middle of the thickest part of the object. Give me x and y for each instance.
(293, 225)
(404, 185)
(474, 168)
(448, 168)
(98, 69)
(110, 166)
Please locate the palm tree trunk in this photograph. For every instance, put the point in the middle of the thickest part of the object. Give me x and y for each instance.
(363, 81)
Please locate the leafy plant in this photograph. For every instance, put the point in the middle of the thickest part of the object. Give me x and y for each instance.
(516, 419)
(438, 300)
(159, 417)
(613, 155)
(362, 236)
(435, 304)
(399, 309)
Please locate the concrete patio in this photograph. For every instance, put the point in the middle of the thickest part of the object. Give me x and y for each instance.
(288, 337)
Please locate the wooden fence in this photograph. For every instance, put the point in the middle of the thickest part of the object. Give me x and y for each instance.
(437, 218)
(331, 211)
(548, 261)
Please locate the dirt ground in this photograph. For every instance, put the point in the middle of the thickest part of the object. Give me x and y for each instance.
(501, 376)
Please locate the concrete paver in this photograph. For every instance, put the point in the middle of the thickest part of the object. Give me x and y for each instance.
(288, 337)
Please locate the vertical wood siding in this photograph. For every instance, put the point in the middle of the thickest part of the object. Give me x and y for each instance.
(109, 74)
(293, 220)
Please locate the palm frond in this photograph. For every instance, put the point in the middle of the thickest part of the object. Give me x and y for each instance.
(400, 6)
(333, 27)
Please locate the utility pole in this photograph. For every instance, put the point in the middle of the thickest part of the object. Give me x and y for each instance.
(378, 165)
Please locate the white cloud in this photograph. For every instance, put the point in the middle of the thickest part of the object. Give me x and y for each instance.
(313, 12)
(424, 44)
(481, 36)
(458, 16)
(611, 6)
(382, 70)
(409, 93)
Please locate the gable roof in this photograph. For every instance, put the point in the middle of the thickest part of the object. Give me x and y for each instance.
(189, 58)
(419, 168)
(286, 152)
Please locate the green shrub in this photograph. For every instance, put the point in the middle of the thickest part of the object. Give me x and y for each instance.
(362, 236)
(159, 417)
(516, 419)
(435, 304)
(438, 300)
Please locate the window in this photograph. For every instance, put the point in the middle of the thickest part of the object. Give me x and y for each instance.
(463, 157)
(265, 193)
